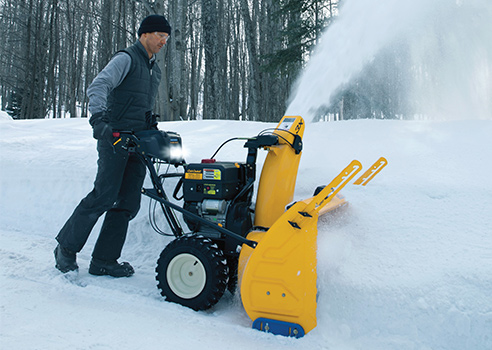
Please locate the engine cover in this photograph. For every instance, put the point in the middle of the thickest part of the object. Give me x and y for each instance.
(222, 180)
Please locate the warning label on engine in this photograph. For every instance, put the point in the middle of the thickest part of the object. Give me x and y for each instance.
(211, 174)
(192, 174)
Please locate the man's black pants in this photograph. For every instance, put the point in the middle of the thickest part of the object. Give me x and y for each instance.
(117, 191)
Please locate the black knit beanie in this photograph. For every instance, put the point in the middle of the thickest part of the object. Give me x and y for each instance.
(154, 23)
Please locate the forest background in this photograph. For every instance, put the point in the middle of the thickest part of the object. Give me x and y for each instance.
(227, 59)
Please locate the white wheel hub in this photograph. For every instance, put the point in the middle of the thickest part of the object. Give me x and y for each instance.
(186, 276)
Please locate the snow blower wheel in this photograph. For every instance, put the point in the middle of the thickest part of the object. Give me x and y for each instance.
(192, 271)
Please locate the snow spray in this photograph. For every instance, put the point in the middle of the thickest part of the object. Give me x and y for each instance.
(450, 46)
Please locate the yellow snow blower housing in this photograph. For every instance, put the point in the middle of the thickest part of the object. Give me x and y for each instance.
(278, 277)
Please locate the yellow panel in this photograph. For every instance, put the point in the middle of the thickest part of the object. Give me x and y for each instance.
(279, 279)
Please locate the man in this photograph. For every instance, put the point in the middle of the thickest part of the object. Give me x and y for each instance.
(121, 98)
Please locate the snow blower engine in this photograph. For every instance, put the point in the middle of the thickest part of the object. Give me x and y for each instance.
(218, 192)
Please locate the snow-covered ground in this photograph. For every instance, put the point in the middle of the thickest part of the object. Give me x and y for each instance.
(407, 265)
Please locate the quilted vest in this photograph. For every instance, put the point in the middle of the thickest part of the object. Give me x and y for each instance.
(130, 104)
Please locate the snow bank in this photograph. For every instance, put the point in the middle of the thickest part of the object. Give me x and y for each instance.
(4, 116)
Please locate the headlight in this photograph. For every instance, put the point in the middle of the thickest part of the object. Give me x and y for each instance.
(163, 145)
(176, 155)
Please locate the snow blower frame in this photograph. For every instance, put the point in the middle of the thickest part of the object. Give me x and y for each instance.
(269, 252)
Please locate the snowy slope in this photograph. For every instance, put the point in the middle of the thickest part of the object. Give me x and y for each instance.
(407, 265)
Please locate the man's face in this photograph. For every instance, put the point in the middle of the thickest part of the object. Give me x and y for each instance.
(153, 42)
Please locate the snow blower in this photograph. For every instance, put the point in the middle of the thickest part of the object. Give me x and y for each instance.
(268, 248)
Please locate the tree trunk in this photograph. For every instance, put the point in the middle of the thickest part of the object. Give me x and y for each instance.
(254, 65)
(105, 48)
(210, 39)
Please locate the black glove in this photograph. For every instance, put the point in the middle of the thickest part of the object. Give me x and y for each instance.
(151, 120)
(153, 125)
(100, 128)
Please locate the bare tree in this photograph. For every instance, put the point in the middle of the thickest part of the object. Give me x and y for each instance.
(211, 49)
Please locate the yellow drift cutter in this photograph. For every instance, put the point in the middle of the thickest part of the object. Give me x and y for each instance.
(371, 172)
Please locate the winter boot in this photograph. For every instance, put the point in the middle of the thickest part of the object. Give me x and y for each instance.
(65, 259)
(111, 268)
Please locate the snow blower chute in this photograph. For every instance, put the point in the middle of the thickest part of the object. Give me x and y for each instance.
(268, 248)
